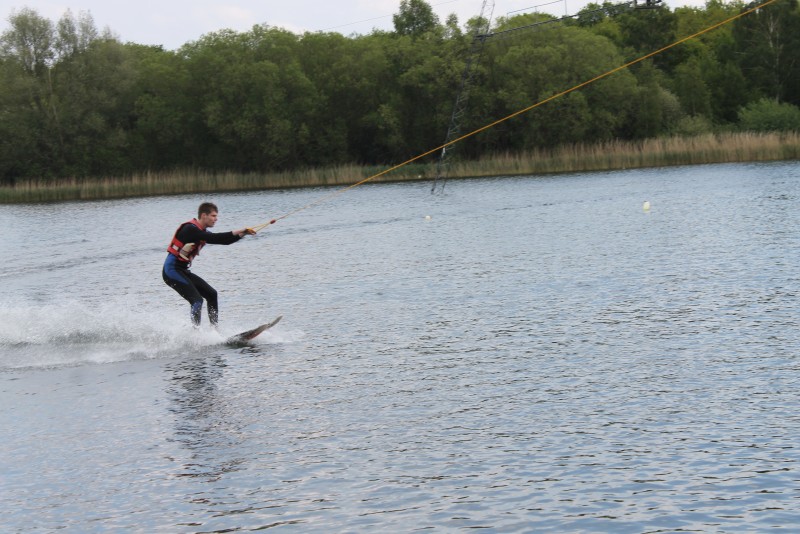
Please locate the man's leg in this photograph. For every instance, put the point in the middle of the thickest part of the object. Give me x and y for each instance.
(185, 288)
(208, 293)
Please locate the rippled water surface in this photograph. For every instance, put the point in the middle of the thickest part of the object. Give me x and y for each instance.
(539, 354)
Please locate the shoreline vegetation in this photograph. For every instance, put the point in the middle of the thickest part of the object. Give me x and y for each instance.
(613, 155)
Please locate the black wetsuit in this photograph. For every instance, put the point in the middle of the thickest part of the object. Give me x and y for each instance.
(177, 275)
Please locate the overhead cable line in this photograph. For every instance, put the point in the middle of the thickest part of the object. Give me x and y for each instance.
(534, 7)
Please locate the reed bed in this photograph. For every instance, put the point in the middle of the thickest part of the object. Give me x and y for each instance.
(659, 152)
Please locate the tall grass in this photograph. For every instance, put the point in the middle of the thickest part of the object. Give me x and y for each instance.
(711, 148)
(659, 152)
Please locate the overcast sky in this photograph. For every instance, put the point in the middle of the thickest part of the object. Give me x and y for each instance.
(172, 23)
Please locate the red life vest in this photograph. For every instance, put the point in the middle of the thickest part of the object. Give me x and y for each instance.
(185, 252)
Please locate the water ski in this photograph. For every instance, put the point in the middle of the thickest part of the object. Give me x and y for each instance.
(244, 337)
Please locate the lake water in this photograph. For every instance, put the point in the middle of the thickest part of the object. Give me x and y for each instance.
(541, 354)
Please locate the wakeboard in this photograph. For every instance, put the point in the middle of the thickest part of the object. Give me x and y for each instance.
(243, 337)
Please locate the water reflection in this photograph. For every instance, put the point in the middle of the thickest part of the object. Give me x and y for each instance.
(203, 424)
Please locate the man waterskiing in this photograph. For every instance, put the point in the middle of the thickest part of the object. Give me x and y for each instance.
(189, 238)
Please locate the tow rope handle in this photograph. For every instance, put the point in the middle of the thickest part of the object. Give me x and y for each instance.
(255, 229)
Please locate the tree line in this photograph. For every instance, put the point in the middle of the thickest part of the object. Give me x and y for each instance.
(77, 102)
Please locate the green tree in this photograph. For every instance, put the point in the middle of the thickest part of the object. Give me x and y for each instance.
(415, 18)
(691, 88)
(27, 52)
(766, 115)
(330, 62)
(538, 65)
(96, 94)
(30, 42)
(373, 140)
(767, 46)
(256, 103)
(166, 120)
(20, 125)
(709, 70)
(645, 31)
(656, 110)
(728, 90)
(75, 88)
(74, 35)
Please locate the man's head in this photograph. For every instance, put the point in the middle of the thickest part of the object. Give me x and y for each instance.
(207, 214)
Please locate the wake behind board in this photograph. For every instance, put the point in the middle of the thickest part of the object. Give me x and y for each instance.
(244, 337)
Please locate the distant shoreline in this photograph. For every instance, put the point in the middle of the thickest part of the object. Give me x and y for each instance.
(605, 156)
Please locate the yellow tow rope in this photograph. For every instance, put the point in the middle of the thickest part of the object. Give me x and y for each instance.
(520, 112)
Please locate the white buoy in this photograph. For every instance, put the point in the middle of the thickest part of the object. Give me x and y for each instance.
(646, 205)
(427, 217)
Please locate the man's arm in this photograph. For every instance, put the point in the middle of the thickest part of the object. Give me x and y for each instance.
(192, 234)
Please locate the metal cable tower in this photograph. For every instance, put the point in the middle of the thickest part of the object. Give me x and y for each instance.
(479, 37)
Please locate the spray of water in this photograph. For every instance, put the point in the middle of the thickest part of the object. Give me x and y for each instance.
(72, 333)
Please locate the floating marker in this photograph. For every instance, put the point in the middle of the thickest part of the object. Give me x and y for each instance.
(427, 217)
(646, 205)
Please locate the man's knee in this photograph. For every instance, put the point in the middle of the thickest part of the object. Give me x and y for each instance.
(210, 294)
